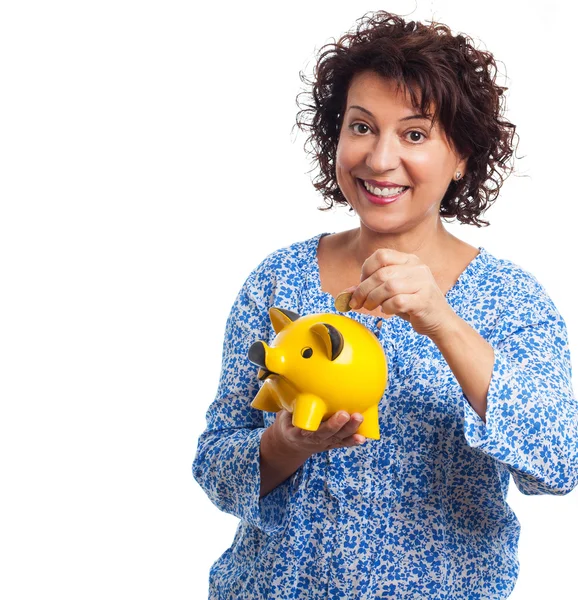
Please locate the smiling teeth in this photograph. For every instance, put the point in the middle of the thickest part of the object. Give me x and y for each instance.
(384, 192)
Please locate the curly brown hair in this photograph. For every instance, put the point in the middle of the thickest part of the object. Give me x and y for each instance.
(438, 70)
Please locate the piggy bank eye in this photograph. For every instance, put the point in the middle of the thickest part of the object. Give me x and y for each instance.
(307, 353)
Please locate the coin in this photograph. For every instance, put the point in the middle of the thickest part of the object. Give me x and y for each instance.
(342, 301)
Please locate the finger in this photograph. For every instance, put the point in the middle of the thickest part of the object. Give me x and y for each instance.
(401, 305)
(335, 432)
(284, 421)
(359, 294)
(348, 442)
(284, 418)
(389, 290)
(344, 429)
(340, 424)
(385, 257)
(382, 285)
(351, 426)
(330, 429)
(292, 432)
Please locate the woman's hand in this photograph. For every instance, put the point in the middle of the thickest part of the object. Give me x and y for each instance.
(336, 432)
(284, 447)
(404, 286)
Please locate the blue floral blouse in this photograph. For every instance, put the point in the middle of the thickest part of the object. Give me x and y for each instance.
(422, 512)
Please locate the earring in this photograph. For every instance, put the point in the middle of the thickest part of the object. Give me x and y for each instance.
(458, 175)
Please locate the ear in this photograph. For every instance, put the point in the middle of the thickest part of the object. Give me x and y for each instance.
(462, 167)
(280, 318)
(331, 338)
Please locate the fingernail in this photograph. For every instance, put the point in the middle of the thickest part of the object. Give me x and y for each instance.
(353, 303)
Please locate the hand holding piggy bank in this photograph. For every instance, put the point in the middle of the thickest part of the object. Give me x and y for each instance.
(320, 364)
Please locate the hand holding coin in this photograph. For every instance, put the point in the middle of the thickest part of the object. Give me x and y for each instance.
(399, 284)
(341, 302)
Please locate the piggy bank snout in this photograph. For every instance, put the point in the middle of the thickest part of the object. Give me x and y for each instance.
(257, 354)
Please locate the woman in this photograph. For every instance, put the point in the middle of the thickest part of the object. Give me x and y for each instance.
(407, 128)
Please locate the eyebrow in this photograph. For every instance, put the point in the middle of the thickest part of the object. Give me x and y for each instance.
(417, 116)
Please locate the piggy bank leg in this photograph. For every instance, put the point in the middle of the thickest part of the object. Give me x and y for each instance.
(266, 398)
(370, 426)
(308, 411)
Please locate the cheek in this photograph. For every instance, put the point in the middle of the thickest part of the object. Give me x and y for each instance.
(344, 162)
(431, 166)
(341, 156)
(424, 166)
(348, 154)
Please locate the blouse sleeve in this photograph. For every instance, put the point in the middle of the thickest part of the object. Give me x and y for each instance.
(532, 415)
(227, 462)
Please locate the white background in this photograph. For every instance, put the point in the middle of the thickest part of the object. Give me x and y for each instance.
(147, 164)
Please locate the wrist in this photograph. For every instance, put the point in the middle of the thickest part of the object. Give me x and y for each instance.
(277, 460)
(447, 329)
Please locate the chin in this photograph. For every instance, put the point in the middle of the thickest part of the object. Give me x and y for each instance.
(382, 227)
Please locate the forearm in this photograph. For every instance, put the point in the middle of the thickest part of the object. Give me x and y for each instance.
(277, 463)
(471, 359)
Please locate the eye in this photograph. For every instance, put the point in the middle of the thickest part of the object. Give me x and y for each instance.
(415, 136)
(307, 353)
(353, 125)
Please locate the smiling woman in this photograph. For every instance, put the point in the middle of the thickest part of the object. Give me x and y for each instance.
(441, 78)
(380, 136)
(406, 126)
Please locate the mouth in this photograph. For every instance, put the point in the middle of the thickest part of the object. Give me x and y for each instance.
(381, 196)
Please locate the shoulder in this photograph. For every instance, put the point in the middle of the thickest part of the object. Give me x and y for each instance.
(289, 257)
(283, 268)
(507, 279)
(516, 293)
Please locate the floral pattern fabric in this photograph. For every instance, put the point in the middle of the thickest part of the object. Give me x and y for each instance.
(422, 512)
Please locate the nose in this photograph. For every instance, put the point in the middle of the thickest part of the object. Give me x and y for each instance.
(384, 155)
(257, 354)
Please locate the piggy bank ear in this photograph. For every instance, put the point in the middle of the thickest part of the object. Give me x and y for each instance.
(331, 338)
(281, 317)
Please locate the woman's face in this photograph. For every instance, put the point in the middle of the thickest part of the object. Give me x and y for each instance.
(384, 142)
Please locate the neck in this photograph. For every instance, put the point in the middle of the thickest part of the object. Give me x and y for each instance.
(429, 245)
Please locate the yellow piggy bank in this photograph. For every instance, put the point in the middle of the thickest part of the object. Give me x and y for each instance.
(320, 364)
